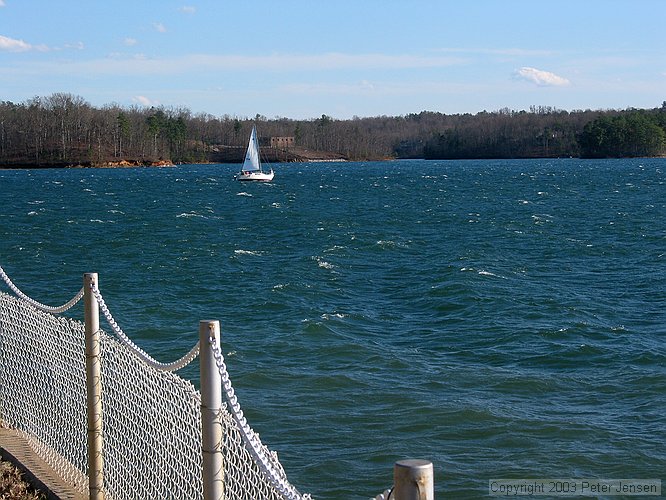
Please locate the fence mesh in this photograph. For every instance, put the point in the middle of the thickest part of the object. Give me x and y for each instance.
(151, 418)
(42, 389)
(151, 428)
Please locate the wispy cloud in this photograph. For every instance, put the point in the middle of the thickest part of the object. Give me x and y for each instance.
(144, 101)
(74, 46)
(129, 41)
(2, 3)
(13, 45)
(508, 51)
(329, 61)
(160, 27)
(541, 78)
(366, 88)
(186, 9)
(119, 63)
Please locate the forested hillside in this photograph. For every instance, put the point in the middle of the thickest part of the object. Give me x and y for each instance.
(63, 129)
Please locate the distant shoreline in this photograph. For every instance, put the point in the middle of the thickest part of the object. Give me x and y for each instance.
(167, 163)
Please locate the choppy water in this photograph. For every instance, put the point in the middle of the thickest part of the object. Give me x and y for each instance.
(504, 319)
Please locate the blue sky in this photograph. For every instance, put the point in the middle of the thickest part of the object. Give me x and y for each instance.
(343, 58)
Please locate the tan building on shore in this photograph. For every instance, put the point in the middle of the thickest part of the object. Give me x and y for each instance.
(283, 142)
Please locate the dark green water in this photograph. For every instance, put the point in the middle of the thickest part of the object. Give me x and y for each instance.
(504, 319)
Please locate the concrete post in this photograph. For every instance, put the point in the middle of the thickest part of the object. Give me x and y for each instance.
(211, 406)
(413, 480)
(93, 390)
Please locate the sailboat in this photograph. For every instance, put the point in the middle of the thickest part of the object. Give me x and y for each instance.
(251, 169)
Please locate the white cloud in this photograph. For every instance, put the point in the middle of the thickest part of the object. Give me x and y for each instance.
(186, 9)
(144, 101)
(541, 78)
(129, 41)
(13, 45)
(160, 27)
(2, 3)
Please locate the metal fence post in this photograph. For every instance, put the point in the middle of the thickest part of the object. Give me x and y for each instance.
(93, 390)
(413, 480)
(211, 406)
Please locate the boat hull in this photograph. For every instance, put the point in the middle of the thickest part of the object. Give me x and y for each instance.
(255, 176)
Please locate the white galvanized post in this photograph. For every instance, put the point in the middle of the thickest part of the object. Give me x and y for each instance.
(93, 390)
(413, 480)
(211, 406)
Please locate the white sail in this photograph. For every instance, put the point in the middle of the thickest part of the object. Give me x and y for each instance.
(251, 162)
(251, 169)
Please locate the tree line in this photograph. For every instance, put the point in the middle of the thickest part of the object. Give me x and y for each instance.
(64, 129)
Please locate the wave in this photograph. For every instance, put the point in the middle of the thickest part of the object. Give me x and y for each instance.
(481, 272)
(333, 316)
(334, 248)
(325, 265)
(542, 218)
(191, 214)
(392, 244)
(249, 252)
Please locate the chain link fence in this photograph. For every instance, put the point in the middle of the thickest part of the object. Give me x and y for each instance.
(152, 435)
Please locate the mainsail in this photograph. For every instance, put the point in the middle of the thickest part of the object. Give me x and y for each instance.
(251, 162)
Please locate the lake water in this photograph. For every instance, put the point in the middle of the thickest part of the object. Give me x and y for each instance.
(503, 319)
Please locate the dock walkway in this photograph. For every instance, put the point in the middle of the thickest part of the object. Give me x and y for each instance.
(14, 448)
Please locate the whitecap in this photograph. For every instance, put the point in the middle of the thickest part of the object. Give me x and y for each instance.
(392, 244)
(32, 213)
(243, 193)
(333, 315)
(334, 248)
(248, 252)
(322, 263)
(190, 214)
(542, 218)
